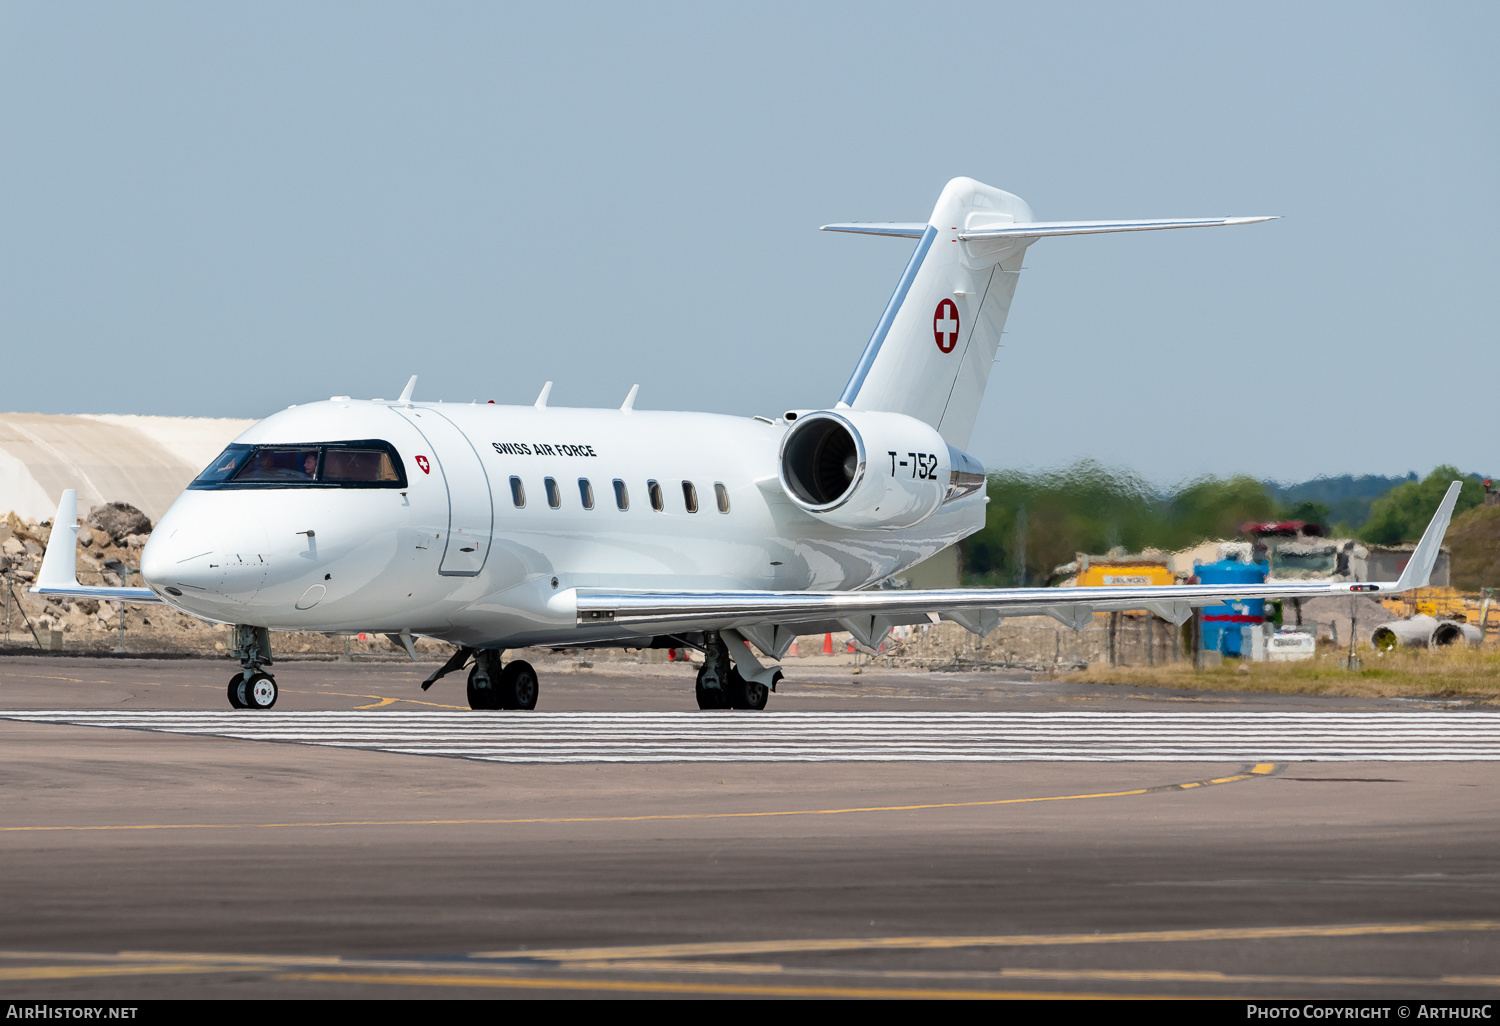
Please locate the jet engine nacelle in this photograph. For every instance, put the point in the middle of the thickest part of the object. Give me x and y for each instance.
(862, 470)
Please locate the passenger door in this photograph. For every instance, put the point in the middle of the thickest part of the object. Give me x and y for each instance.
(471, 510)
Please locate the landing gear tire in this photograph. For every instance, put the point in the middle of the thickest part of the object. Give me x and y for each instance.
(260, 691)
(237, 691)
(746, 694)
(710, 698)
(517, 687)
(481, 690)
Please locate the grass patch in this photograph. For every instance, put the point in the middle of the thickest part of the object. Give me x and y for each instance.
(1414, 673)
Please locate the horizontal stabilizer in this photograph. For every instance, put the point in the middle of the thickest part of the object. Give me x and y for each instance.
(1038, 229)
(893, 229)
(1043, 229)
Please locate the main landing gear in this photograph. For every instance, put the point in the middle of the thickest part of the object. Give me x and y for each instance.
(252, 687)
(720, 685)
(491, 686)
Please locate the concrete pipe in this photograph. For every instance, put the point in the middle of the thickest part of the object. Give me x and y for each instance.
(1423, 632)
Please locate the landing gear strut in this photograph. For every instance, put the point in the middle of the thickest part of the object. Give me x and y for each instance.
(252, 687)
(491, 686)
(720, 684)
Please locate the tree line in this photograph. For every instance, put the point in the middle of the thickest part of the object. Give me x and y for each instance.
(1038, 520)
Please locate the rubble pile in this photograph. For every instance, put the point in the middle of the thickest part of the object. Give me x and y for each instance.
(1036, 642)
(120, 521)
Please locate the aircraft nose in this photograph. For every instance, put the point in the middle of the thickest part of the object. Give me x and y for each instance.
(169, 561)
(205, 569)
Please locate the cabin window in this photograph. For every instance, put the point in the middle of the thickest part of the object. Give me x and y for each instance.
(586, 493)
(722, 495)
(517, 492)
(690, 496)
(654, 490)
(554, 494)
(622, 497)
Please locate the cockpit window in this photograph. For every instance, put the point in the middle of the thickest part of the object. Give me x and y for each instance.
(367, 465)
(223, 468)
(363, 464)
(296, 466)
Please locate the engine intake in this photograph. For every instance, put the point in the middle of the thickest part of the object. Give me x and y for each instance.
(868, 471)
(822, 462)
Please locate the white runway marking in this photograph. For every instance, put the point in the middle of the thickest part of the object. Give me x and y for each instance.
(846, 737)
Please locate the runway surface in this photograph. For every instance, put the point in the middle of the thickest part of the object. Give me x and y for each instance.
(895, 835)
(923, 736)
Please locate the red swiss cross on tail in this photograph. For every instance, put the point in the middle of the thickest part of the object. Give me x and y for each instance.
(945, 325)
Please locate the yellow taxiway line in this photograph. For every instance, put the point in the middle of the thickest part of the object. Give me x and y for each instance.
(496, 969)
(714, 948)
(1258, 770)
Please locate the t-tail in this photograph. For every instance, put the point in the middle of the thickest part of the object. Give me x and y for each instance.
(930, 355)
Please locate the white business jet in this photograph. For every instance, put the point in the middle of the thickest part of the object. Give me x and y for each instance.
(500, 527)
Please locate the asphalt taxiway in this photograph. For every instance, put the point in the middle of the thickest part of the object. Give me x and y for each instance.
(165, 858)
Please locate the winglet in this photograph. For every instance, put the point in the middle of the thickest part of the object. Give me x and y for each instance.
(411, 386)
(60, 561)
(629, 403)
(1419, 568)
(541, 400)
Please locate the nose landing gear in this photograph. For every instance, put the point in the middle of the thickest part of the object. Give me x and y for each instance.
(252, 687)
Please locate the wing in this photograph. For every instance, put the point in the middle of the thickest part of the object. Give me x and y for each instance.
(868, 614)
(59, 573)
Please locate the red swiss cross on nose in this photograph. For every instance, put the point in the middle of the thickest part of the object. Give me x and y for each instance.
(945, 325)
(422, 462)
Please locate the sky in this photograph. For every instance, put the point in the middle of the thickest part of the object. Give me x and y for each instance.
(223, 209)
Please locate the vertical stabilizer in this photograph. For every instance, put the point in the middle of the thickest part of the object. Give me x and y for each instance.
(931, 352)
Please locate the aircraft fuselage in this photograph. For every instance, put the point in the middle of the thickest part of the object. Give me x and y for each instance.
(489, 532)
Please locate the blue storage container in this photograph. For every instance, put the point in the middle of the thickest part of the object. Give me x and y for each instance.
(1221, 624)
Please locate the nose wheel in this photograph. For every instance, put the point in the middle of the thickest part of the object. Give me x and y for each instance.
(252, 690)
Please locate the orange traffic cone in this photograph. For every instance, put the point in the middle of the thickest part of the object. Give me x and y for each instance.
(828, 644)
